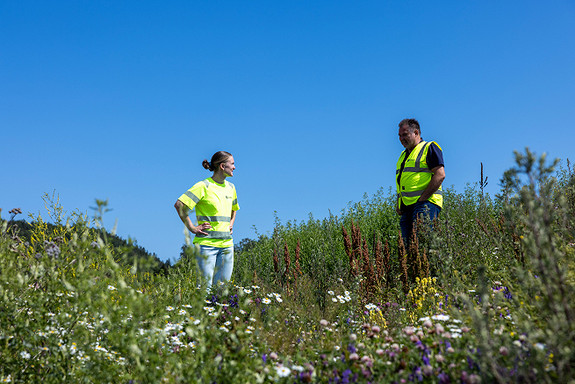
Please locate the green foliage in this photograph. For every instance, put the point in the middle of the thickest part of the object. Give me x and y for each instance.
(76, 307)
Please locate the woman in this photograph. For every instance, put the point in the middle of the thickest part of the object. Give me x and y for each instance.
(216, 203)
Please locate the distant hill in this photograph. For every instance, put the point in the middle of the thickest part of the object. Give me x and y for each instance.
(127, 251)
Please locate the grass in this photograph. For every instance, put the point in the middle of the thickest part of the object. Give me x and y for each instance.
(494, 305)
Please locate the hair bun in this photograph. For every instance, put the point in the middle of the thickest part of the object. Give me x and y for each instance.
(206, 164)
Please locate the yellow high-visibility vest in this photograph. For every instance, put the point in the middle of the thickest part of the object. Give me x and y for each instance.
(214, 203)
(415, 176)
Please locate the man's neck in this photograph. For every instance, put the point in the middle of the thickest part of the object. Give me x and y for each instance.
(408, 151)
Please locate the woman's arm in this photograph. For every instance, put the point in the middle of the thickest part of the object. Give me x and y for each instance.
(232, 220)
(183, 213)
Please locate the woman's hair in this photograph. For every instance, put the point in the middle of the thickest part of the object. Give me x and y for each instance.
(218, 158)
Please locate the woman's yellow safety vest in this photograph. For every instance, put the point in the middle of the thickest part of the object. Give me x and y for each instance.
(415, 176)
(214, 204)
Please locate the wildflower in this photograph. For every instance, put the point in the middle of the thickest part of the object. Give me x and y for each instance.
(354, 356)
(255, 287)
(247, 291)
(169, 308)
(409, 331)
(439, 358)
(182, 312)
(111, 288)
(504, 351)
(265, 300)
(334, 299)
(353, 337)
(196, 322)
(323, 323)
(283, 371)
(279, 299)
(273, 356)
(474, 379)
(52, 249)
(25, 355)
(330, 293)
(440, 317)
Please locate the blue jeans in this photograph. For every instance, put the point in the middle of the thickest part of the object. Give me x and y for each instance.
(215, 264)
(410, 214)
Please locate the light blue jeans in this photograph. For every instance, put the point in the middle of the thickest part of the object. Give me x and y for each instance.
(215, 264)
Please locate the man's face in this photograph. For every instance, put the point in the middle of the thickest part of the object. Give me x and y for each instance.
(409, 138)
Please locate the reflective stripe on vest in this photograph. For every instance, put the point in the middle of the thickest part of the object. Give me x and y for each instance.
(192, 196)
(216, 235)
(221, 219)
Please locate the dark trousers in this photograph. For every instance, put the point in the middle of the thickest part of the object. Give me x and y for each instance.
(410, 214)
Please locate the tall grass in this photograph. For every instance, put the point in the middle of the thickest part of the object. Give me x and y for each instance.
(495, 303)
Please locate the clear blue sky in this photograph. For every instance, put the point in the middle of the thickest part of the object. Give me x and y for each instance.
(122, 100)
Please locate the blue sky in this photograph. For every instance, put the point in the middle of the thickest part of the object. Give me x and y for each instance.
(123, 100)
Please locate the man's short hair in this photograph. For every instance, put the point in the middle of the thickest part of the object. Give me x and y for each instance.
(411, 124)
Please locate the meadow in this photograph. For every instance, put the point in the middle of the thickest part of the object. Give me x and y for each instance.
(487, 296)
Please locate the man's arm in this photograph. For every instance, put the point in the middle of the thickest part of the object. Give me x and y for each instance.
(434, 183)
(183, 213)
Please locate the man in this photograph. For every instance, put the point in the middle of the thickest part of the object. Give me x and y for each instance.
(419, 174)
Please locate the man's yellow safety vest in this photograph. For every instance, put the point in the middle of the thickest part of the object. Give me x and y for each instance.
(415, 176)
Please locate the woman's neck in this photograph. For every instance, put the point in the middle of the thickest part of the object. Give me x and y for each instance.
(219, 177)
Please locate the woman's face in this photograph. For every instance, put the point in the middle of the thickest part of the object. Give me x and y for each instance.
(228, 167)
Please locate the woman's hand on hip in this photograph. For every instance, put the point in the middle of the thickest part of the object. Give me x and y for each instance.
(201, 229)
